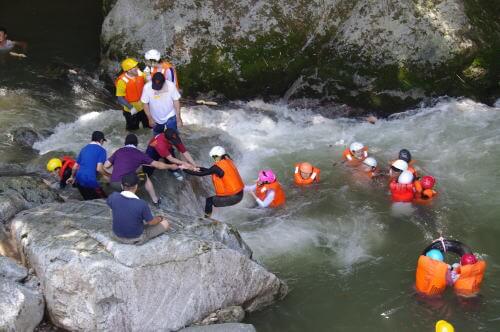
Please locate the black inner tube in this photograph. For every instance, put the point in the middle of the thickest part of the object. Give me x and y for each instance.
(456, 247)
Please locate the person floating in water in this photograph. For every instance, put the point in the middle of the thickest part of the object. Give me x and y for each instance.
(403, 190)
(226, 179)
(305, 174)
(424, 192)
(267, 191)
(7, 45)
(355, 154)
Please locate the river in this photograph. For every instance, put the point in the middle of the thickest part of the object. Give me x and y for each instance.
(347, 254)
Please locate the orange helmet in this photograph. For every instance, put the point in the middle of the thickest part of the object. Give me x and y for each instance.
(305, 167)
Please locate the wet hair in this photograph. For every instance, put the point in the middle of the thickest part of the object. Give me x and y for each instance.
(2, 29)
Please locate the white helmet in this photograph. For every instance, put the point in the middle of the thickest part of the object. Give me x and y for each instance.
(356, 146)
(400, 164)
(153, 55)
(217, 151)
(406, 177)
(370, 162)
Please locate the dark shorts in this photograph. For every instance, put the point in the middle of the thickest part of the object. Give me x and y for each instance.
(91, 193)
(220, 201)
(133, 121)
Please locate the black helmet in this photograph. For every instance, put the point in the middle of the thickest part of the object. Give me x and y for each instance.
(405, 155)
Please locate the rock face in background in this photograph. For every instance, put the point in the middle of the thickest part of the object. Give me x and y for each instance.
(21, 302)
(92, 283)
(375, 54)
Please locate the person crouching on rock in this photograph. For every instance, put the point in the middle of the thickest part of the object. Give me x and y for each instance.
(305, 174)
(267, 191)
(60, 168)
(133, 222)
(225, 178)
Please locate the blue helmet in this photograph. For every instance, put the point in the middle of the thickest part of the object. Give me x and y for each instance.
(435, 254)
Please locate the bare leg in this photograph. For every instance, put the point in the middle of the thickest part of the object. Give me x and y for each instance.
(151, 190)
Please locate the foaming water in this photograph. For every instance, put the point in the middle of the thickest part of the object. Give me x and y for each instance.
(343, 247)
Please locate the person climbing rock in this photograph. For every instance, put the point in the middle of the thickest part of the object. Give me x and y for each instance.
(267, 192)
(161, 104)
(128, 159)
(89, 163)
(226, 179)
(133, 222)
(61, 169)
(355, 154)
(154, 64)
(305, 174)
(129, 87)
(161, 146)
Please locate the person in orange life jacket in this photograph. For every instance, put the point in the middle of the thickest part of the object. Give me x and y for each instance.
(403, 190)
(226, 179)
(432, 273)
(267, 191)
(424, 191)
(397, 167)
(355, 154)
(305, 174)
(369, 166)
(129, 86)
(468, 275)
(405, 155)
(60, 168)
(161, 146)
(161, 104)
(155, 64)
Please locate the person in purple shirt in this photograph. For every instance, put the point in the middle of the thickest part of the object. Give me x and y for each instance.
(128, 159)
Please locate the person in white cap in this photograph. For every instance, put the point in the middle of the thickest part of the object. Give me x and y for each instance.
(155, 64)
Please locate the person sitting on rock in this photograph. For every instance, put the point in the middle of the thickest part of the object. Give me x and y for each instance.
(128, 159)
(133, 222)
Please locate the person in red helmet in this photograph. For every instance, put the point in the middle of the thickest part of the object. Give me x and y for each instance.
(424, 192)
(470, 276)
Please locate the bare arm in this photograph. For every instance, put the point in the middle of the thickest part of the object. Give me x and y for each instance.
(188, 157)
(155, 221)
(71, 179)
(102, 171)
(108, 164)
(177, 106)
(162, 165)
(148, 114)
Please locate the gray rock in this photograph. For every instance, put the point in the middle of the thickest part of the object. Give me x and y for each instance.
(228, 327)
(23, 192)
(232, 314)
(21, 302)
(91, 282)
(25, 136)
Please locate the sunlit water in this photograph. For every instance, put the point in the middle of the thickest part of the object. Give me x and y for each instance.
(347, 255)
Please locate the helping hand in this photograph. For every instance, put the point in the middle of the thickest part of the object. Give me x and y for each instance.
(71, 180)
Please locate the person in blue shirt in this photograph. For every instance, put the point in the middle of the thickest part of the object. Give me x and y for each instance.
(89, 163)
(133, 222)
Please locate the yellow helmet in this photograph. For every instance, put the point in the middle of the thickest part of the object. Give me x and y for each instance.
(128, 64)
(444, 326)
(53, 164)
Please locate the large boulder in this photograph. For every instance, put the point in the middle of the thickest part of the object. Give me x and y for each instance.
(19, 193)
(21, 302)
(370, 53)
(91, 282)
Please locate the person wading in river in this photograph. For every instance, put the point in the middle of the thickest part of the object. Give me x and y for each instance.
(129, 86)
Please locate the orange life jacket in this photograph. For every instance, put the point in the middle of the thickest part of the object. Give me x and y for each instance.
(166, 67)
(401, 192)
(301, 181)
(134, 88)
(470, 279)
(423, 196)
(67, 162)
(351, 160)
(231, 183)
(431, 276)
(279, 194)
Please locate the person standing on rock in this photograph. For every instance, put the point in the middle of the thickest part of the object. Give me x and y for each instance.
(133, 222)
(128, 159)
(156, 65)
(161, 104)
(88, 164)
(129, 86)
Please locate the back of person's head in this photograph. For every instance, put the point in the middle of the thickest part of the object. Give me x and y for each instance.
(98, 136)
(130, 180)
(172, 136)
(131, 139)
(4, 30)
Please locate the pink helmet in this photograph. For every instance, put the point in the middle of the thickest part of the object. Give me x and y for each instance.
(428, 182)
(468, 259)
(267, 175)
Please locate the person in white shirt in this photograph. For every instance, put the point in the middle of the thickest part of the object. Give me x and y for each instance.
(161, 104)
(6, 44)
